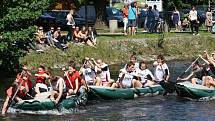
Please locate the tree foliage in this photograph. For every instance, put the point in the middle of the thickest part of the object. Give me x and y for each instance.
(17, 19)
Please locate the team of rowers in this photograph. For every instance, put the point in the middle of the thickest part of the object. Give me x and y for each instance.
(96, 72)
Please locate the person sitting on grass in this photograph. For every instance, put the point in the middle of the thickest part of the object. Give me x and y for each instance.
(76, 36)
(83, 34)
(40, 35)
(91, 34)
(73, 79)
(50, 37)
(127, 78)
(58, 39)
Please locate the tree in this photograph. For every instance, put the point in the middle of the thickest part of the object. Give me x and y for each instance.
(17, 19)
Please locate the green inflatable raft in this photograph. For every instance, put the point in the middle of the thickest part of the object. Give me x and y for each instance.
(194, 91)
(48, 104)
(108, 93)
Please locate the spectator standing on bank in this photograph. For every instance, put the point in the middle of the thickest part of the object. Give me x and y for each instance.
(208, 20)
(150, 18)
(176, 19)
(156, 14)
(194, 21)
(125, 18)
(132, 18)
(70, 24)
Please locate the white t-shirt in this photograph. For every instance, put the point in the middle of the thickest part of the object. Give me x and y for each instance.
(128, 78)
(143, 75)
(88, 74)
(70, 20)
(193, 15)
(159, 72)
(105, 73)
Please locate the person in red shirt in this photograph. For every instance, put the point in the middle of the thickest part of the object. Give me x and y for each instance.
(125, 18)
(73, 79)
(41, 77)
(21, 84)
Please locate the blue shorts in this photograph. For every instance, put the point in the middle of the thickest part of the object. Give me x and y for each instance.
(131, 22)
(199, 81)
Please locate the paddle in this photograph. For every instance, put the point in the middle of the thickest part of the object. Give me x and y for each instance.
(188, 68)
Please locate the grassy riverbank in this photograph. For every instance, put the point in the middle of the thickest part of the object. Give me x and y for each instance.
(117, 49)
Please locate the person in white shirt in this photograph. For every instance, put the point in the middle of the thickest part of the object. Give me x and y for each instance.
(145, 75)
(127, 78)
(70, 24)
(194, 21)
(161, 71)
(87, 72)
(102, 73)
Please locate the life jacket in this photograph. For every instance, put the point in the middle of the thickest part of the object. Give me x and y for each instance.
(41, 79)
(21, 93)
(72, 79)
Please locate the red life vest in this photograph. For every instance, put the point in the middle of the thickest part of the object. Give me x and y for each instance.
(72, 79)
(41, 79)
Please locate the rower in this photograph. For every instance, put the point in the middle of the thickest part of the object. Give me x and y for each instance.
(19, 95)
(133, 59)
(87, 72)
(41, 77)
(161, 71)
(196, 76)
(102, 73)
(127, 78)
(145, 75)
(73, 79)
(210, 77)
(59, 89)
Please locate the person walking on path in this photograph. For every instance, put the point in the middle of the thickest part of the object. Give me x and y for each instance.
(176, 19)
(208, 20)
(70, 24)
(132, 18)
(125, 18)
(194, 20)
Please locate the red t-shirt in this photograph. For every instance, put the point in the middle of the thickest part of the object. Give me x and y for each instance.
(72, 79)
(125, 12)
(41, 79)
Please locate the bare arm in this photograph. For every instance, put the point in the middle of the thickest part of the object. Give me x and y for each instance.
(76, 86)
(60, 91)
(186, 78)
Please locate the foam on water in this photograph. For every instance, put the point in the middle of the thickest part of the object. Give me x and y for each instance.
(49, 112)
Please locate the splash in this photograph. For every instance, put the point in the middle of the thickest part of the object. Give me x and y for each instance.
(49, 112)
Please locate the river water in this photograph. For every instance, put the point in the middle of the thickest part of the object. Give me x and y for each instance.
(158, 108)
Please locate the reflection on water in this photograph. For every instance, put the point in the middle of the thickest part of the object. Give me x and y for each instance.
(158, 108)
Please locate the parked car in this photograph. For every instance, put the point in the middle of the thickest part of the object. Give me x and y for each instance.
(114, 14)
(58, 19)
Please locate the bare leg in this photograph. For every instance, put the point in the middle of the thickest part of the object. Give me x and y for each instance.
(136, 83)
(98, 81)
(193, 80)
(4, 108)
(149, 83)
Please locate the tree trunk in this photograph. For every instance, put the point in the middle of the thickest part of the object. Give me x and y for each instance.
(100, 6)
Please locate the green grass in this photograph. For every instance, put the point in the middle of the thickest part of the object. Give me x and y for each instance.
(117, 49)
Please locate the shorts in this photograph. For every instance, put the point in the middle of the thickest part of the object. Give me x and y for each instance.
(199, 81)
(126, 84)
(125, 20)
(131, 22)
(42, 87)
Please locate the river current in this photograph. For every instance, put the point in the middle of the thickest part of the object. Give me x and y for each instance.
(157, 108)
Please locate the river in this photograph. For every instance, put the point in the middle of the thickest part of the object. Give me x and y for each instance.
(158, 108)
